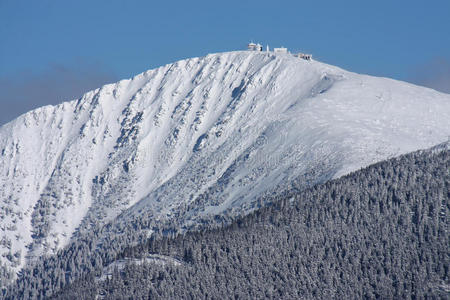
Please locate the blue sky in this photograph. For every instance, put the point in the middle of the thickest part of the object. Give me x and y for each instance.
(51, 51)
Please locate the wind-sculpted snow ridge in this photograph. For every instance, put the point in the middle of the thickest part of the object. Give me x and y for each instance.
(203, 135)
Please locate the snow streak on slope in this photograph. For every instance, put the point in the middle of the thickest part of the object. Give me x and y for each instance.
(212, 132)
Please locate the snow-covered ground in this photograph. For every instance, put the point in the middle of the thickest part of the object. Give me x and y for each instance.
(218, 131)
(120, 264)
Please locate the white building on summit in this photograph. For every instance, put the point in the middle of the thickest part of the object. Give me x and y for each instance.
(255, 47)
(304, 56)
(258, 47)
(280, 50)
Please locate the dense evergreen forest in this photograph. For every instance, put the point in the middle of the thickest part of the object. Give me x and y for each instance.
(380, 232)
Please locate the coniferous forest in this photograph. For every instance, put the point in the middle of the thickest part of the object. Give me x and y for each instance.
(380, 232)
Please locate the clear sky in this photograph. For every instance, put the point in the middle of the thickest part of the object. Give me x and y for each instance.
(52, 51)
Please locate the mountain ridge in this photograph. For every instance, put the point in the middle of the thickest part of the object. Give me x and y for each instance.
(217, 130)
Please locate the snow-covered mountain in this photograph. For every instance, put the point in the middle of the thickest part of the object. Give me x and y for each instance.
(212, 133)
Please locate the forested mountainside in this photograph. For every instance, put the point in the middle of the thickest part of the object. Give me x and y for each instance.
(378, 232)
(197, 137)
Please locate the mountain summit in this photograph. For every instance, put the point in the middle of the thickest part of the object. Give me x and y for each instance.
(201, 136)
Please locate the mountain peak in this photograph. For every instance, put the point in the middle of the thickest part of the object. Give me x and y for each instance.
(199, 136)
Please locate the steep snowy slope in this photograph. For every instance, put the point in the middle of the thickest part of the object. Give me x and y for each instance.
(210, 133)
